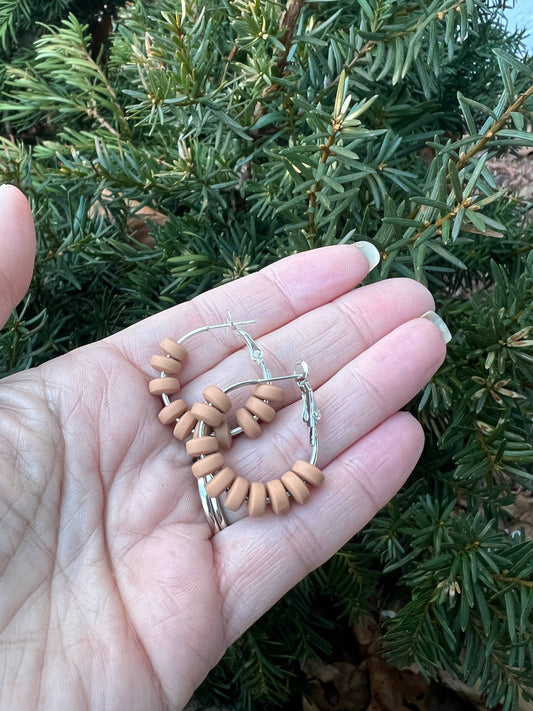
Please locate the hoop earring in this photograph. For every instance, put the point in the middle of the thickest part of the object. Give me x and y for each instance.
(214, 477)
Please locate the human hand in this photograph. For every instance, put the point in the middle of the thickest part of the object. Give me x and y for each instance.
(113, 592)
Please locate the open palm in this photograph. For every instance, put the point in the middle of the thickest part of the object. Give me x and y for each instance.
(113, 593)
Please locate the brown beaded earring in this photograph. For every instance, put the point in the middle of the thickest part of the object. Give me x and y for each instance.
(214, 477)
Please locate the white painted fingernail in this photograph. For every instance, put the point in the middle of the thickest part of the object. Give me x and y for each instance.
(439, 323)
(370, 252)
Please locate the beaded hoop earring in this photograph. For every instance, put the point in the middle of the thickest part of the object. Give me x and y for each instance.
(217, 403)
(214, 477)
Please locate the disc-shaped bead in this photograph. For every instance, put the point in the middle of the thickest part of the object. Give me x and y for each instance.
(217, 397)
(207, 465)
(220, 482)
(278, 496)
(185, 425)
(176, 350)
(260, 408)
(268, 392)
(170, 413)
(250, 426)
(311, 474)
(296, 487)
(223, 435)
(165, 364)
(207, 413)
(236, 494)
(256, 498)
(160, 386)
(201, 445)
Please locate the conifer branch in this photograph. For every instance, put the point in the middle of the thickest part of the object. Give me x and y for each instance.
(492, 132)
(287, 26)
(360, 54)
(325, 153)
(92, 112)
(464, 160)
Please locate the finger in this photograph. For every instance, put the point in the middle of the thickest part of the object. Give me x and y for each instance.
(273, 296)
(327, 338)
(261, 559)
(17, 249)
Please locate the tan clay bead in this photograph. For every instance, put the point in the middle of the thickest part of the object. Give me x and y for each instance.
(201, 445)
(260, 408)
(158, 386)
(220, 482)
(250, 427)
(210, 415)
(176, 350)
(278, 496)
(296, 487)
(236, 494)
(268, 392)
(208, 465)
(170, 413)
(217, 397)
(223, 435)
(308, 472)
(185, 426)
(257, 499)
(165, 364)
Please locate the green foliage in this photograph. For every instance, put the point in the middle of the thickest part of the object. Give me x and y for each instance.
(471, 602)
(22, 21)
(17, 17)
(247, 130)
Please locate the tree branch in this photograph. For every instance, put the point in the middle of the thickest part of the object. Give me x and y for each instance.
(287, 24)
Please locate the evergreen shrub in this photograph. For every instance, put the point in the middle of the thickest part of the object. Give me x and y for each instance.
(208, 138)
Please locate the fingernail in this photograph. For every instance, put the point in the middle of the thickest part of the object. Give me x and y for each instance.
(439, 323)
(370, 252)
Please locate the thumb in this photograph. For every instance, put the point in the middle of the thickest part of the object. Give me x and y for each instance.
(17, 249)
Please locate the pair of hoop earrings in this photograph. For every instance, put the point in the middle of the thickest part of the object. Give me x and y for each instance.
(207, 430)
